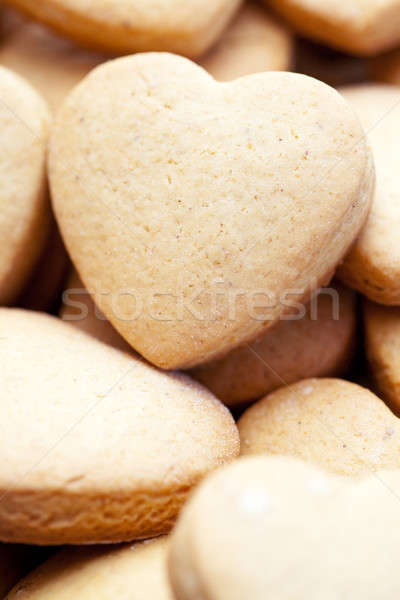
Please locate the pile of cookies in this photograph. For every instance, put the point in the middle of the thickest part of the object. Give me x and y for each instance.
(200, 299)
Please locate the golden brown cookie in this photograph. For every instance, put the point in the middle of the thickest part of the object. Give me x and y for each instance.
(24, 210)
(101, 573)
(254, 42)
(321, 343)
(331, 423)
(278, 528)
(186, 27)
(373, 264)
(78, 309)
(194, 207)
(50, 63)
(361, 27)
(99, 446)
(382, 339)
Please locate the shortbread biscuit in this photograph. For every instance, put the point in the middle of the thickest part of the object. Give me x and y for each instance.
(361, 27)
(102, 573)
(373, 264)
(44, 288)
(78, 309)
(331, 423)
(254, 42)
(50, 63)
(382, 339)
(278, 528)
(186, 27)
(98, 446)
(187, 203)
(24, 214)
(319, 344)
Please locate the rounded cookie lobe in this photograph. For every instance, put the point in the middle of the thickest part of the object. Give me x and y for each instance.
(187, 27)
(24, 214)
(138, 571)
(359, 27)
(254, 42)
(334, 424)
(249, 526)
(315, 341)
(196, 206)
(373, 264)
(382, 339)
(99, 446)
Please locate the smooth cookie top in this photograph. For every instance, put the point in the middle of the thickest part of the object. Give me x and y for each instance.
(334, 424)
(185, 202)
(278, 528)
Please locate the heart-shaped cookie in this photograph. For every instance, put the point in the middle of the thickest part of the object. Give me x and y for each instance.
(266, 528)
(99, 446)
(334, 424)
(187, 27)
(196, 211)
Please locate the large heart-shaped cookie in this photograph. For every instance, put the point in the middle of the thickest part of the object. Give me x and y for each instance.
(196, 211)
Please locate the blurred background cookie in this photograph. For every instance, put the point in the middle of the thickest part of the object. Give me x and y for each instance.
(373, 264)
(255, 41)
(321, 343)
(127, 26)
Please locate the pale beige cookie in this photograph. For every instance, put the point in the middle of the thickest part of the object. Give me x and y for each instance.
(102, 573)
(45, 285)
(78, 309)
(195, 207)
(373, 264)
(320, 343)
(254, 42)
(98, 445)
(186, 27)
(24, 210)
(50, 63)
(382, 339)
(332, 423)
(361, 27)
(386, 68)
(278, 528)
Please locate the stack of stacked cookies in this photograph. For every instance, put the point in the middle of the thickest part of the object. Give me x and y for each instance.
(200, 299)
